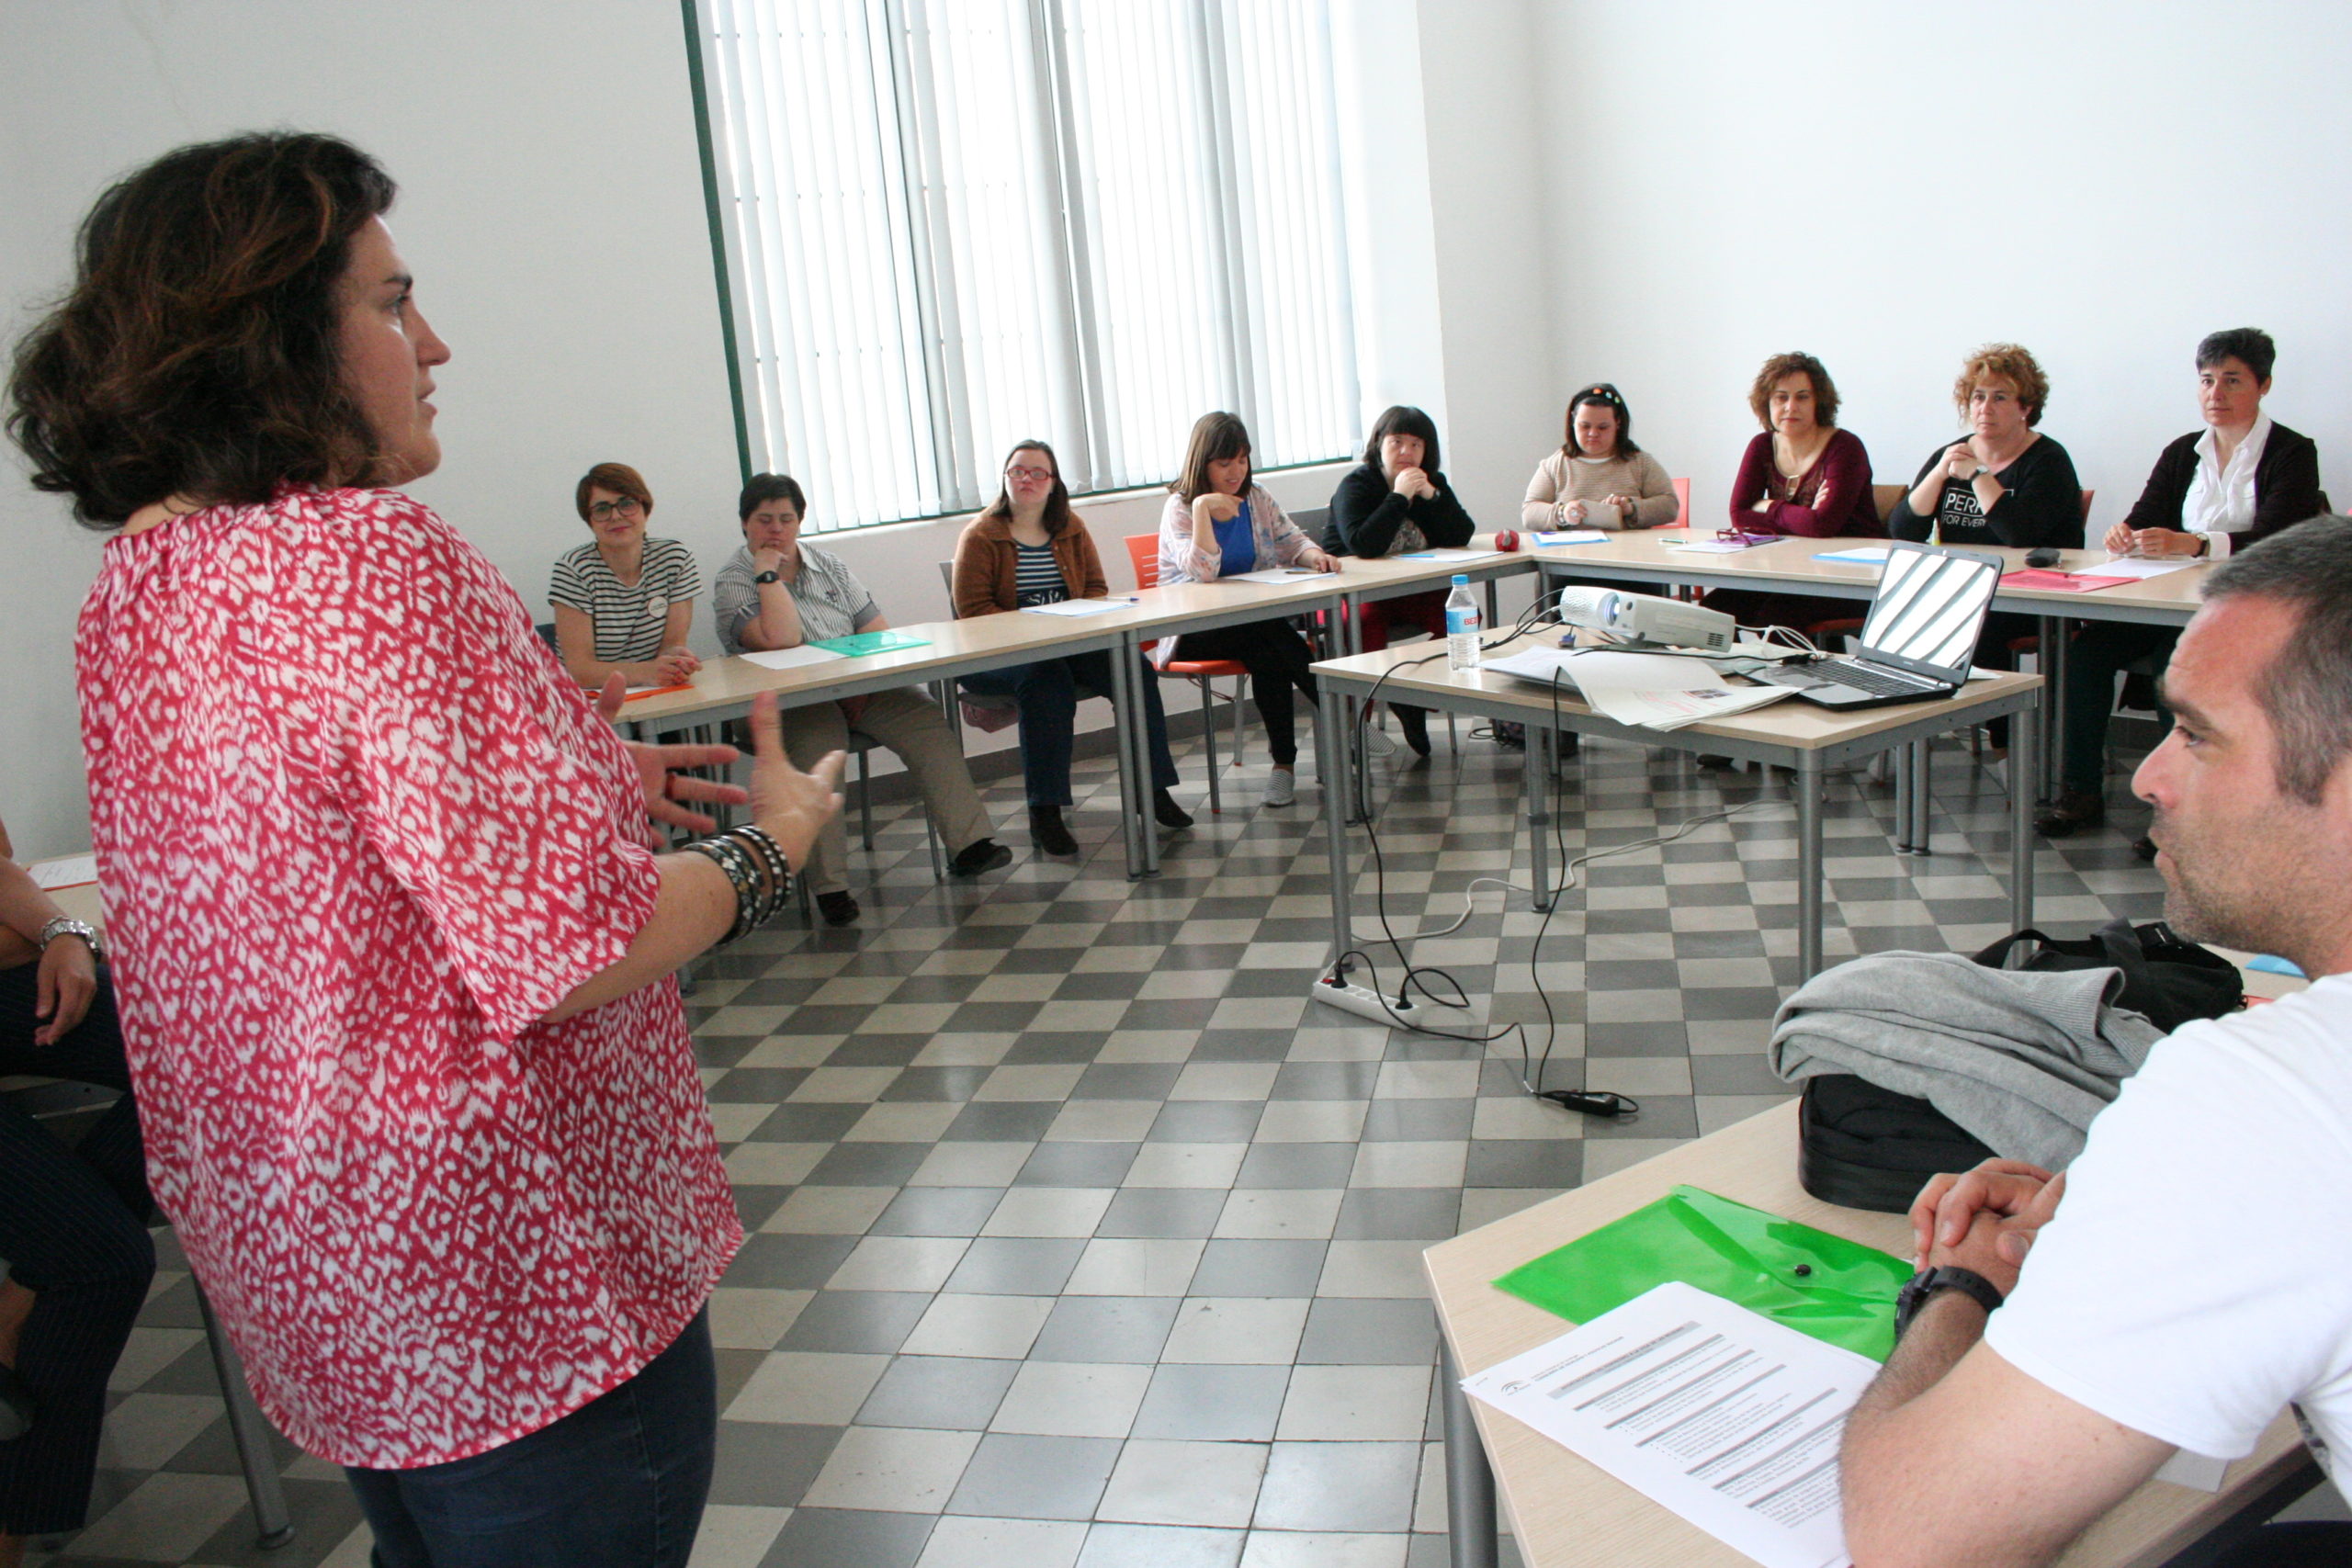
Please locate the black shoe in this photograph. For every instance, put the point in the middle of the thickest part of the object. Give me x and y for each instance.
(1414, 723)
(1167, 813)
(838, 909)
(2073, 808)
(982, 854)
(2145, 847)
(1045, 830)
(1510, 736)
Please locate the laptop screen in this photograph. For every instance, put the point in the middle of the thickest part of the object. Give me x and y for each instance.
(1931, 607)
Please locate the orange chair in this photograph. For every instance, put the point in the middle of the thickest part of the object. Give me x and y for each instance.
(1682, 500)
(1143, 551)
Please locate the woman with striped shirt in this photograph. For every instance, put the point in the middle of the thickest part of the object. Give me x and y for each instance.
(1028, 548)
(623, 602)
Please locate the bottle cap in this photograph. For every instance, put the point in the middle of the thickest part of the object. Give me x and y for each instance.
(1461, 580)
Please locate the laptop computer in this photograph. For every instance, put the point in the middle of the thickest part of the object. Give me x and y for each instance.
(1917, 640)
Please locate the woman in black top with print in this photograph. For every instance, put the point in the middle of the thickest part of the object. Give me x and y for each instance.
(2005, 484)
(1396, 500)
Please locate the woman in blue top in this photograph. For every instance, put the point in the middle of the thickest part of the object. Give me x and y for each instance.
(1219, 523)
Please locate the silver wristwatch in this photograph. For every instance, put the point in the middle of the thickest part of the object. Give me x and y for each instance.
(63, 926)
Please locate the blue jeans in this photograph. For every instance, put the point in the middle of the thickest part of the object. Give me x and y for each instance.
(1047, 691)
(617, 1483)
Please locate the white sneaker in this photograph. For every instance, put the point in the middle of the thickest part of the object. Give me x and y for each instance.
(1282, 787)
(1376, 742)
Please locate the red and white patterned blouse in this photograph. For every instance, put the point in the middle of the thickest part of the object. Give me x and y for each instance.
(358, 832)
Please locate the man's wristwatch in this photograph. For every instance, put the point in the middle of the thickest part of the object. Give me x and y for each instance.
(768, 576)
(62, 926)
(1930, 1283)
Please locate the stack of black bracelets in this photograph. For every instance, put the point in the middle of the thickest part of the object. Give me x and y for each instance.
(755, 864)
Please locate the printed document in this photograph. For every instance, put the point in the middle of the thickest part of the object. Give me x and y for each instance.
(2142, 566)
(1449, 554)
(1657, 691)
(1078, 607)
(1715, 1412)
(73, 871)
(791, 658)
(1271, 574)
(1570, 536)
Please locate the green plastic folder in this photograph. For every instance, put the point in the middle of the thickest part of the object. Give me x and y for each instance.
(1845, 1295)
(872, 642)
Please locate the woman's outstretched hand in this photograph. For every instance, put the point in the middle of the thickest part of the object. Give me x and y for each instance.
(659, 769)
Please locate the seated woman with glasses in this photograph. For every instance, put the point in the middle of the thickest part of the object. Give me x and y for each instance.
(777, 593)
(1396, 500)
(1218, 522)
(2004, 483)
(1802, 476)
(624, 603)
(1598, 478)
(1029, 547)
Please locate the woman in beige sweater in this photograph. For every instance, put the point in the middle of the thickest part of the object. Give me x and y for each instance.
(1598, 478)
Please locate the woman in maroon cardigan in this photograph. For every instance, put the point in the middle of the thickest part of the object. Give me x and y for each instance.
(1802, 476)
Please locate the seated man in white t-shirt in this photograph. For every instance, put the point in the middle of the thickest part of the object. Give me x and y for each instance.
(2196, 1277)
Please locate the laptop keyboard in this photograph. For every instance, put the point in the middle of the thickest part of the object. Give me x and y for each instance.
(1861, 677)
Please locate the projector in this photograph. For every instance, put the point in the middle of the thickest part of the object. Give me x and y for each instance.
(1646, 618)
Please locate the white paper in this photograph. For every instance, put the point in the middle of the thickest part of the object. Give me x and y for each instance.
(1867, 555)
(1270, 574)
(1657, 691)
(73, 871)
(1722, 1415)
(791, 658)
(2134, 566)
(1077, 607)
(1710, 547)
(1452, 555)
(1571, 537)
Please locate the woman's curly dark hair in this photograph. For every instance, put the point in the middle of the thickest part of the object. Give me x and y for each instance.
(196, 354)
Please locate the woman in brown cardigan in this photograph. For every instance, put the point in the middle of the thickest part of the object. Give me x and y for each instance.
(1029, 547)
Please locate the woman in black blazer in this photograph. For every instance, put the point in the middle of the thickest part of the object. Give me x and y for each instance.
(2239, 480)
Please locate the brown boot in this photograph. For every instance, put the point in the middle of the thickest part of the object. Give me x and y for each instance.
(2073, 808)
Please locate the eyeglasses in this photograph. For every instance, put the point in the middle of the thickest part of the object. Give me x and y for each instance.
(1032, 476)
(605, 511)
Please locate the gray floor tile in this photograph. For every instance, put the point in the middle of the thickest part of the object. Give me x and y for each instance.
(1368, 1332)
(1259, 1269)
(955, 1392)
(1016, 1266)
(1160, 1546)
(1162, 1211)
(849, 1535)
(1105, 1328)
(768, 1464)
(1213, 1404)
(860, 1321)
(1014, 1475)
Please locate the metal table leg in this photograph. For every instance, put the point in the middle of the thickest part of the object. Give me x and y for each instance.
(1471, 1539)
(1540, 759)
(1906, 781)
(1922, 770)
(273, 1526)
(1808, 783)
(2022, 836)
(2053, 686)
(1131, 795)
(1331, 747)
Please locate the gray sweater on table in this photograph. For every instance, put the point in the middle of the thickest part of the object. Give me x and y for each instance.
(2021, 1058)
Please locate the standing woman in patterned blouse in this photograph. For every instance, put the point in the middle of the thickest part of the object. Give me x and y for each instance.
(624, 603)
(393, 957)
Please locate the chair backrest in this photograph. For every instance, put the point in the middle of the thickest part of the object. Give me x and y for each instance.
(546, 635)
(2087, 503)
(947, 579)
(1682, 503)
(1312, 522)
(1884, 497)
(1143, 549)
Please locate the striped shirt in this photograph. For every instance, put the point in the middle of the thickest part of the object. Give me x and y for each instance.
(830, 600)
(628, 620)
(1037, 575)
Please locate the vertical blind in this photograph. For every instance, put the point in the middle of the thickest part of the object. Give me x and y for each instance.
(954, 224)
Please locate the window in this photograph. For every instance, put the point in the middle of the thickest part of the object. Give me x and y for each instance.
(950, 224)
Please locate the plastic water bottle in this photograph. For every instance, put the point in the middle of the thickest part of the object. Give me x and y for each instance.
(1461, 626)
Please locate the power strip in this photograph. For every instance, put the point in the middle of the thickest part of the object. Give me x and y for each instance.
(1364, 999)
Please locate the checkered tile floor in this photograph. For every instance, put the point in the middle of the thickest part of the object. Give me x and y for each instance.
(1080, 1237)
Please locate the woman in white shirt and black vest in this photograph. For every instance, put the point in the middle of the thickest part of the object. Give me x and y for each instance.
(2241, 479)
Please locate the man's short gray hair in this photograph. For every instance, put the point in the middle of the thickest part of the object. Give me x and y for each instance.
(2307, 690)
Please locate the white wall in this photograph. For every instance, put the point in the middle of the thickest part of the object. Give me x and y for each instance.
(1889, 185)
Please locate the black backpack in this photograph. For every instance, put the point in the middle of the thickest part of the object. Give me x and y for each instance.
(1867, 1147)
